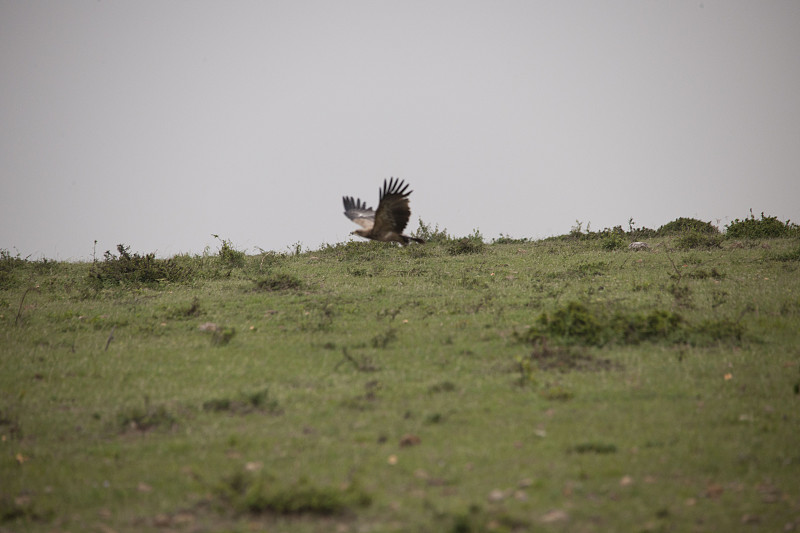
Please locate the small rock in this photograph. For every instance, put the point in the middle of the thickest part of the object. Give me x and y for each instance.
(253, 466)
(497, 495)
(554, 516)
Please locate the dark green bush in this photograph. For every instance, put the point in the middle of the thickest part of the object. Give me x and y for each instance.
(614, 241)
(573, 322)
(764, 228)
(8, 264)
(633, 328)
(137, 269)
(687, 225)
(465, 245)
(430, 234)
(505, 239)
(612, 238)
(229, 255)
(578, 324)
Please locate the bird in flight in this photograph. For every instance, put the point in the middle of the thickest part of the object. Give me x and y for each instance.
(389, 220)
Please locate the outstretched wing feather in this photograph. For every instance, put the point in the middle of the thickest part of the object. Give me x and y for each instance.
(393, 211)
(357, 211)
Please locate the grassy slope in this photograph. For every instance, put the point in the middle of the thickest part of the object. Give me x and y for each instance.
(398, 376)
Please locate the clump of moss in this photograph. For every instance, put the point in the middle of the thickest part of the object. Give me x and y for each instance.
(279, 282)
(244, 403)
(601, 448)
(146, 417)
(260, 494)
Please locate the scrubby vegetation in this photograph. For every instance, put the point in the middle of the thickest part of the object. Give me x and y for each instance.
(687, 225)
(767, 227)
(577, 323)
(127, 268)
(564, 384)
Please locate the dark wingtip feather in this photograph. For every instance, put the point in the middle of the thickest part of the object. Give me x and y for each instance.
(394, 186)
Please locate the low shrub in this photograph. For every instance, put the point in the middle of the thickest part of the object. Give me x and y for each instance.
(763, 228)
(613, 241)
(8, 264)
(137, 269)
(430, 234)
(229, 255)
(465, 245)
(687, 225)
(611, 238)
(505, 239)
(578, 324)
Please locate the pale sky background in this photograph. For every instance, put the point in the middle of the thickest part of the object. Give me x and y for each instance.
(158, 123)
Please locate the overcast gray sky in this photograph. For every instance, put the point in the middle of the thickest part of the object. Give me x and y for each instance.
(156, 124)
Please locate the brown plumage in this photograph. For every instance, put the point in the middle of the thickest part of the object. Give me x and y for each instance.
(388, 222)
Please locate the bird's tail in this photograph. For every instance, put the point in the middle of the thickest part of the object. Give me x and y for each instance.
(407, 238)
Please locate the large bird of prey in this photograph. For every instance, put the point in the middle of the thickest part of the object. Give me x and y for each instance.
(388, 222)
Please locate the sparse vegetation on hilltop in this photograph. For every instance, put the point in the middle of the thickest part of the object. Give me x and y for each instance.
(453, 386)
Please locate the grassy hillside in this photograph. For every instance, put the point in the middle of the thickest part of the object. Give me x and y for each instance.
(569, 384)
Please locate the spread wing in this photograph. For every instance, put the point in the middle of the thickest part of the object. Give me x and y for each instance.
(393, 211)
(358, 212)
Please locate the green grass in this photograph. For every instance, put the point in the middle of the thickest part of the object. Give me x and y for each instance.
(567, 384)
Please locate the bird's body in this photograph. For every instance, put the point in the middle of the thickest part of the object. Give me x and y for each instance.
(389, 220)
